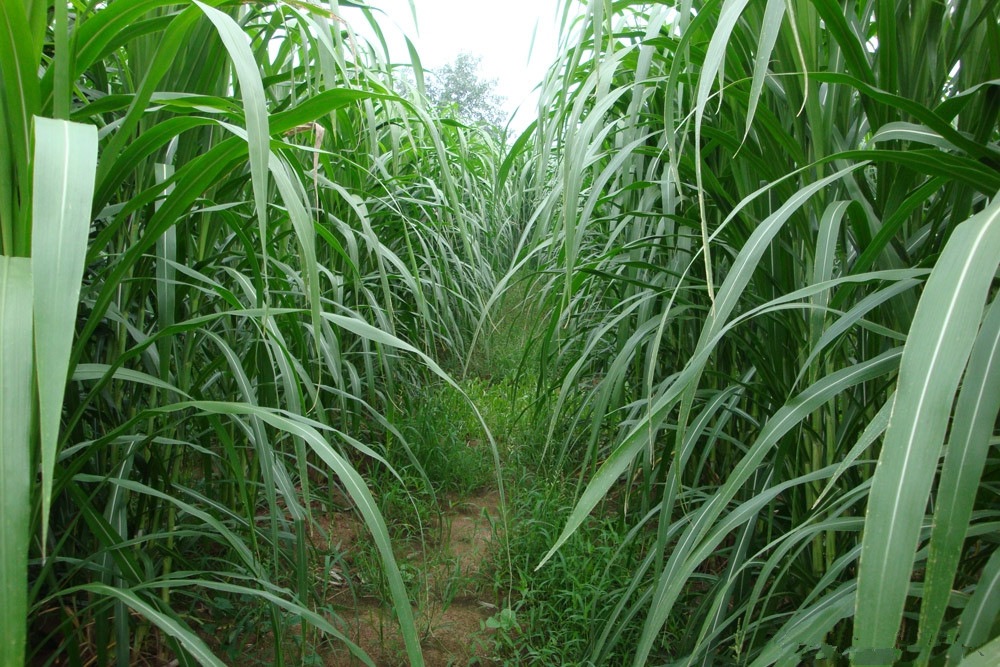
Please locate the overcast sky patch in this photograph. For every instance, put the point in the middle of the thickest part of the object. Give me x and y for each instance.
(500, 32)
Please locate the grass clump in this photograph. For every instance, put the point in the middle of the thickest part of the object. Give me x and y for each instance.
(446, 438)
(562, 609)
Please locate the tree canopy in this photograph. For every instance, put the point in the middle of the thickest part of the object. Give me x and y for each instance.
(459, 86)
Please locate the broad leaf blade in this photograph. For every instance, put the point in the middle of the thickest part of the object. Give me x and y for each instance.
(65, 166)
(254, 109)
(941, 337)
(15, 454)
(968, 445)
(979, 615)
(19, 82)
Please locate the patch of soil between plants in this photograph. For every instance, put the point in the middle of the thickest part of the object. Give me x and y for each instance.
(453, 604)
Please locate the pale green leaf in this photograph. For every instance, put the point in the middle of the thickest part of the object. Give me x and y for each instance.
(15, 453)
(937, 349)
(968, 445)
(65, 167)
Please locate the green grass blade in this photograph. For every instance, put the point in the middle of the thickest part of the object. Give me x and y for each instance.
(239, 547)
(316, 620)
(254, 110)
(968, 445)
(729, 293)
(63, 91)
(682, 563)
(937, 349)
(86, 372)
(65, 164)
(808, 627)
(304, 231)
(774, 13)
(173, 627)
(876, 427)
(15, 453)
(826, 246)
(171, 43)
(20, 100)
(358, 491)
(980, 613)
(712, 66)
(986, 656)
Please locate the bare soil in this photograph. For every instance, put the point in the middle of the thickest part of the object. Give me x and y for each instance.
(453, 604)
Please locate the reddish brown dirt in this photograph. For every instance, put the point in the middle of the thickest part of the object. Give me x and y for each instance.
(453, 603)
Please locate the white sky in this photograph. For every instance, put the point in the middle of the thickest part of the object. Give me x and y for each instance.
(499, 31)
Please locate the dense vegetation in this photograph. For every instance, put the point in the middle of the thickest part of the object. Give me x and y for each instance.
(753, 409)
(769, 247)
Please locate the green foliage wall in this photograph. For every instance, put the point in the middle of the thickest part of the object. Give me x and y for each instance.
(768, 234)
(267, 245)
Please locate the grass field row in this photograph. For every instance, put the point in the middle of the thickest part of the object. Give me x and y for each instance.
(719, 330)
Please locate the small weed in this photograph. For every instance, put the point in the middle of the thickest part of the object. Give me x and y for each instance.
(555, 614)
(447, 441)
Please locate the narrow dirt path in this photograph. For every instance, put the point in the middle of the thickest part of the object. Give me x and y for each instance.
(454, 599)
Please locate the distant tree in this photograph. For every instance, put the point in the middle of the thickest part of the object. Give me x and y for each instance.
(458, 86)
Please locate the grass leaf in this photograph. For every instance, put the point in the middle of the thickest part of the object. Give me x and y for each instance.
(15, 453)
(64, 166)
(937, 349)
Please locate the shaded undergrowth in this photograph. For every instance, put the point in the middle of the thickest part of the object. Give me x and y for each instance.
(554, 615)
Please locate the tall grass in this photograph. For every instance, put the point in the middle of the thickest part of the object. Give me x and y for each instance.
(240, 245)
(769, 237)
(767, 234)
